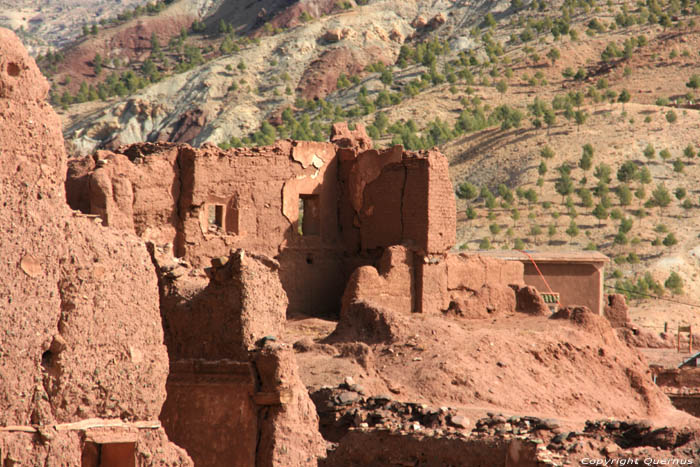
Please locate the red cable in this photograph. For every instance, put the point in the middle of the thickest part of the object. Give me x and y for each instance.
(542, 276)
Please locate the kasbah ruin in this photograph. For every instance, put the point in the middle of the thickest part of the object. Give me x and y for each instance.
(299, 304)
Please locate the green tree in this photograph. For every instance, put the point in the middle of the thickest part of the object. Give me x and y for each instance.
(97, 64)
(600, 213)
(678, 166)
(386, 77)
(586, 161)
(586, 197)
(624, 194)
(661, 196)
(689, 151)
(602, 172)
(694, 82)
(626, 225)
(515, 215)
(645, 176)
(640, 193)
(623, 98)
(671, 116)
(502, 86)
(680, 193)
(505, 193)
(553, 55)
(467, 191)
(670, 240)
(564, 186)
(572, 231)
(665, 154)
(674, 283)
(542, 169)
(530, 196)
(547, 152)
(649, 151)
(489, 20)
(627, 172)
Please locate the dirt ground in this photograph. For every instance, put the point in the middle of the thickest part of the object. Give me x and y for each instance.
(515, 364)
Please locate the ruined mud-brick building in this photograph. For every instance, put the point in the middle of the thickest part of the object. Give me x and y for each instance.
(320, 209)
(243, 238)
(83, 365)
(82, 361)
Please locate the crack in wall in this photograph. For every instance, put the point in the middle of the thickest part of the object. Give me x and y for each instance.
(179, 240)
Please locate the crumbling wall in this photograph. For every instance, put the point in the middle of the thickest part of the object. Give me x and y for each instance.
(686, 402)
(469, 285)
(81, 328)
(242, 413)
(393, 197)
(378, 448)
(221, 316)
(388, 285)
(206, 202)
(616, 310)
(288, 421)
(229, 402)
(679, 378)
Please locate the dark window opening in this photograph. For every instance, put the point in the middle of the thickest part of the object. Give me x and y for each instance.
(109, 455)
(309, 215)
(215, 216)
(309, 259)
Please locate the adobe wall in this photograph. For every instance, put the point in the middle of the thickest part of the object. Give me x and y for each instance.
(389, 285)
(679, 378)
(260, 189)
(221, 316)
(616, 310)
(210, 411)
(164, 193)
(477, 285)
(392, 197)
(686, 402)
(577, 283)
(207, 202)
(77, 444)
(380, 447)
(242, 413)
(403, 281)
(81, 336)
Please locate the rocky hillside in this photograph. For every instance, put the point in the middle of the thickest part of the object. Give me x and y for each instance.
(583, 111)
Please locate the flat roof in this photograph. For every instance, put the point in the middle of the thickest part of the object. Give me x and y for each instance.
(544, 256)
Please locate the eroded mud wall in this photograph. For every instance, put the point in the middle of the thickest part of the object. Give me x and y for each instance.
(81, 326)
